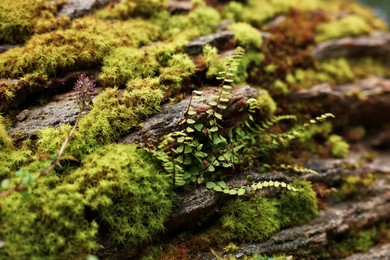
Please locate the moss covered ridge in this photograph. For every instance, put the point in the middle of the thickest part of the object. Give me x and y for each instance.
(137, 49)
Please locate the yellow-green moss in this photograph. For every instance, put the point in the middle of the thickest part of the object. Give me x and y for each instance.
(200, 21)
(252, 220)
(125, 63)
(121, 185)
(257, 12)
(132, 8)
(179, 67)
(297, 208)
(114, 113)
(352, 185)
(338, 146)
(19, 19)
(82, 46)
(5, 140)
(246, 36)
(355, 241)
(351, 25)
(116, 188)
(47, 223)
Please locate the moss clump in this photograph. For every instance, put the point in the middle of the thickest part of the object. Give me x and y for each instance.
(5, 140)
(246, 35)
(352, 185)
(120, 184)
(117, 186)
(356, 241)
(297, 208)
(126, 63)
(83, 46)
(252, 220)
(19, 19)
(338, 146)
(59, 213)
(179, 67)
(200, 21)
(114, 112)
(350, 25)
(133, 8)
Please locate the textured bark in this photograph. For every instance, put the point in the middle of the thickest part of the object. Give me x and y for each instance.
(376, 45)
(176, 6)
(168, 120)
(352, 104)
(309, 240)
(200, 202)
(377, 253)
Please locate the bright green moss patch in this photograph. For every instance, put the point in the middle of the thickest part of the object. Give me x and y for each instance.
(81, 47)
(352, 185)
(47, 223)
(297, 208)
(122, 186)
(117, 184)
(126, 63)
(19, 19)
(114, 113)
(338, 146)
(350, 25)
(5, 140)
(252, 220)
(132, 8)
(246, 36)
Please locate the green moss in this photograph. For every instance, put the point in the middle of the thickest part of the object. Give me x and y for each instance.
(338, 146)
(179, 67)
(81, 47)
(246, 36)
(350, 25)
(267, 104)
(352, 185)
(117, 186)
(252, 220)
(129, 196)
(200, 21)
(251, 59)
(19, 19)
(133, 8)
(356, 241)
(5, 140)
(114, 113)
(125, 63)
(297, 208)
(47, 223)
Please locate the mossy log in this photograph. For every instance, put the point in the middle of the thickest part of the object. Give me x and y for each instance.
(312, 238)
(189, 206)
(375, 45)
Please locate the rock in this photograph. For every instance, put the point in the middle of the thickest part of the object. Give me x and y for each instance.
(61, 109)
(375, 45)
(171, 114)
(176, 6)
(6, 47)
(78, 8)
(219, 40)
(377, 253)
(356, 103)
